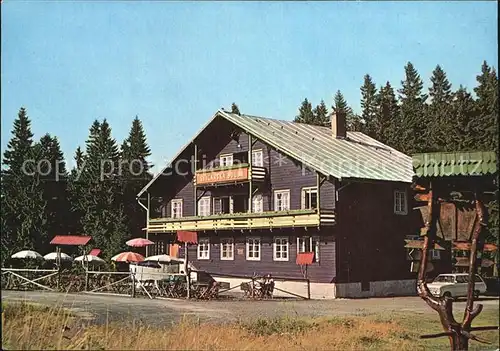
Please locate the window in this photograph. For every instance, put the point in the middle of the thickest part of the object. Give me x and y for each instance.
(310, 198)
(478, 279)
(434, 254)
(281, 200)
(280, 249)
(223, 205)
(203, 249)
(308, 244)
(257, 158)
(257, 204)
(159, 248)
(400, 202)
(226, 160)
(227, 249)
(253, 249)
(176, 208)
(204, 206)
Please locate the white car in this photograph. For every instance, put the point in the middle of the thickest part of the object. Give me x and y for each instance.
(456, 285)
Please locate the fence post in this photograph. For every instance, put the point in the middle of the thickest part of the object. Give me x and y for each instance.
(133, 284)
(187, 271)
(86, 280)
(308, 289)
(58, 277)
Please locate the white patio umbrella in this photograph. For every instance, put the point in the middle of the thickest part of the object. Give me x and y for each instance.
(53, 257)
(30, 254)
(163, 258)
(90, 259)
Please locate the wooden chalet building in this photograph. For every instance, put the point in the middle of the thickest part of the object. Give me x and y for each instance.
(260, 191)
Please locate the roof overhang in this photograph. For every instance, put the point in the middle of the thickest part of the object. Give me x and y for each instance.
(70, 240)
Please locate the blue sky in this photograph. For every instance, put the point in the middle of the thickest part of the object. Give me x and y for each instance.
(174, 64)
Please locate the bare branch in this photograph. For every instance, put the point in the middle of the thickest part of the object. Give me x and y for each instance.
(473, 337)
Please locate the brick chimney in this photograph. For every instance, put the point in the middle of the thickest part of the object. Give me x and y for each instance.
(338, 124)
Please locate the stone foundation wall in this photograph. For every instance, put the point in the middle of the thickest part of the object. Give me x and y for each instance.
(331, 291)
(378, 289)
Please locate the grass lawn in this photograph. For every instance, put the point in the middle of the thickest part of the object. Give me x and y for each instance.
(39, 328)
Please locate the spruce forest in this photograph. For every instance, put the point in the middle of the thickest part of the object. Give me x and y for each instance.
(98, 196)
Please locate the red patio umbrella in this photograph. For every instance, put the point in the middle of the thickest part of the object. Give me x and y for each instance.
(128, 257)
(139, 242)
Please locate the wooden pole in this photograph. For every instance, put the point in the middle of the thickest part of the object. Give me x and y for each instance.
(186, 270)
(186, 251)
(58, 262)
(250, 185)
(86, 279)
(193, 169)
(308, 289)
(147, 223)
(318, 185)
(133, 284)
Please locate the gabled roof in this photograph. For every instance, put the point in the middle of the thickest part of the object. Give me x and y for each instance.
(356, 156)
(442, 164)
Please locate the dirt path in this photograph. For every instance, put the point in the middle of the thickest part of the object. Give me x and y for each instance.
(101, 308)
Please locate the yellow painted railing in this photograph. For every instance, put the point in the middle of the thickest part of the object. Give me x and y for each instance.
(263, 220)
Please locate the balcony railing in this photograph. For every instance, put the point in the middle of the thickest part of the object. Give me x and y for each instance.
(229, 175)
(230, 221)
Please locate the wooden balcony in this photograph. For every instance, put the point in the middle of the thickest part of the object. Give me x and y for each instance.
(239, 173)
(263, 220)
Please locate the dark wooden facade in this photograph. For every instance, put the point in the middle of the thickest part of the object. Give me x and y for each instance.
(284, 173)
(322, 272)
(365, 244)
(370, 235)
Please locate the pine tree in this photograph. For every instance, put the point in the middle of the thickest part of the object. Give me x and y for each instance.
(486, 131)
(75, 194)
(413, 114)
(53, 176)
(99, 192)
(55, 165)
(135, 175)
(79, 156)
(19, 147)
(23, 205)
(387, 126)
(320, 114)
(235, 109)
(441, 122)
(306, 114)
(464, 110)
(353, 122)
(369, 107)
(487, 103)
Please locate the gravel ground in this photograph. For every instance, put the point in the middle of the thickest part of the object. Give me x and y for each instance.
(102, 308)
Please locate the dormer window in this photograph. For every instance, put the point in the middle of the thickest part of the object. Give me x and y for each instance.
(226, 160)
(176, 208)
(257, 158)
